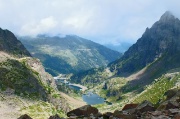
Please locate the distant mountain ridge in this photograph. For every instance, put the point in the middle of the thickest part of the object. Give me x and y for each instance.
(120, 47)
(69, 54)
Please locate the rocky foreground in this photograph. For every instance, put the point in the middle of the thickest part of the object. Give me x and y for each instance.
(166, 109)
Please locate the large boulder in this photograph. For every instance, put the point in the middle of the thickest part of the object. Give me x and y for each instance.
(145, 106)
(55, 117)
(168, 105)
(86, 110)
(129, 106)
(123, 115)
(107, 115)
(177, 116)
(25, 116)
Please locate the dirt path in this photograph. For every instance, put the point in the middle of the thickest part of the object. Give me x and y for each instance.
(75, 103)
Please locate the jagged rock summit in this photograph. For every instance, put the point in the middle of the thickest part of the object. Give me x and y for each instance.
(159, 40)
(10, 44)
(167, 16)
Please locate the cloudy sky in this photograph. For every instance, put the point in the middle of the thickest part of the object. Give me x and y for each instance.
(103, 21)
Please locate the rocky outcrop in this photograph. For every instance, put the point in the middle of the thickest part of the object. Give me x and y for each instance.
(159, 40)
(25, 116)
(55, 117)
(145, 106)
(10, 44)
(129, 106)
(85, 111)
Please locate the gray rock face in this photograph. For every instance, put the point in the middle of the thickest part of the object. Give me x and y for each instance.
(86, 110)
(25, 116)
(10, 44)
(145, 106)
(167, 16)
(55, 117)
(161, 39)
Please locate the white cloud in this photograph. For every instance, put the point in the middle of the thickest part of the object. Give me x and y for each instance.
(43, 26)
(103, 21)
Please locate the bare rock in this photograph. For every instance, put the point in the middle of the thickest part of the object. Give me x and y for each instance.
(83, 111)
(25, 116)
(145, 106)
(129, 106)
(72, 117)
(170, 93)
(161, 117)
(177, 116)
(122, 115)
(174, 111)
(107, 115)
(156, 113)
(168, 105)
(55, 117)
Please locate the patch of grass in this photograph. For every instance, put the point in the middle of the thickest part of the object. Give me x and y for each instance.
(42, 110)
(155, 92)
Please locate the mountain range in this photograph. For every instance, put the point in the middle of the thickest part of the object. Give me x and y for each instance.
(153, 58)
(69, 54)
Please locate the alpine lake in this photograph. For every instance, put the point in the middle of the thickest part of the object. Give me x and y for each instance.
(89, 97)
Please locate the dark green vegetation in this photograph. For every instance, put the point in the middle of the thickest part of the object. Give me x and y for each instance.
(70, 54)
(156, 53)
(16, 75)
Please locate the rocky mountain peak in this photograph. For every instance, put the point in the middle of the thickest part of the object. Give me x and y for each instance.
(162, 38)
(167, 16)
(11, 45)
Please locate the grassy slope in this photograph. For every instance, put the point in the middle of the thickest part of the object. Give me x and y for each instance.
(18, 76)
(155, 91)
(12, 106)
(30, 88)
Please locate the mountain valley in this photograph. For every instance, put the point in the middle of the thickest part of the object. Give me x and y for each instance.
(153, 57)
(141, 83)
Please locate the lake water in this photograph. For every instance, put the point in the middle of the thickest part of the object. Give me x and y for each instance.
(92, 99)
